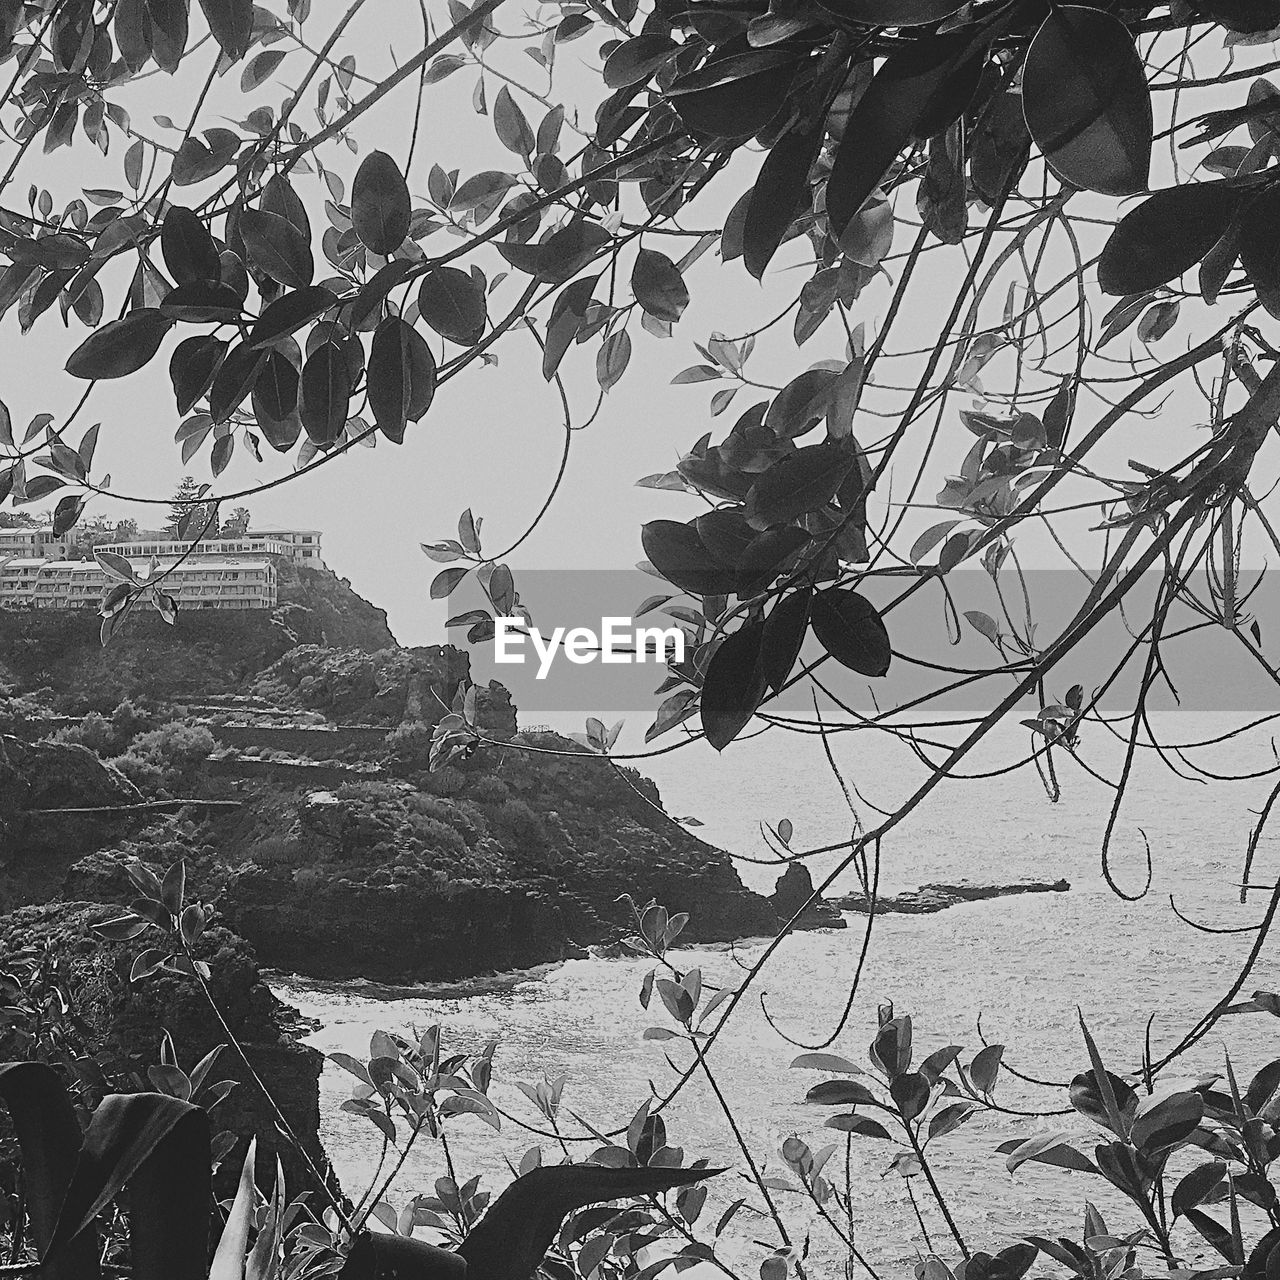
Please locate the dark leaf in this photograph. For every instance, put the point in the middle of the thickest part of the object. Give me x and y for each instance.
(1197, 1186)
(192, 367)
(277, 247)
(452, 302)
(658, 286)
(862, 1125)
(231, 22)
(124, 1133)
(1085, 95)
(49, 1139)
(677, 552)
(202, 303)
(401, 377)
(850, 629)
(1087, 1098)
(768, 554)
(381, 1255)
(510, 1240)
(784, 632)
(781, 191)
(1167, 234)
(1260, 247)
(568, 314)
(189, 250)
(726, 534)
(733, 685)
(289, 313)
(735, 96)
(798, 483)
(841, 1093)
(908, 94)
(1168, 1124)
(510, 125)
(66, 513)
(325, 394)
(122, 347)
(380, 206)
(635, 60)
(234, 380)
(275, 390)
(1009, 1264)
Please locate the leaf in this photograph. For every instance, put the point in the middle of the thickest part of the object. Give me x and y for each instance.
(735, 95)
(1045, 1148)
(1168, 1124)
(446, 581)
(509, 1242)
(192, 368)
(1009, 1264)
(510, 125)
(612, 359)
(121, 347)
(678, 553)
(849, 628)
(189, 250)
(1085, 95)
(1166, 235)
(202, 303)
(910, 1093)
(324, 395)
(277, 247)
(234, 380)
(1088, 1099)
(781, 190)
(453, 303)
(275, 390)
(905, 97)
(1196, 1186)
(841, 1093)
(784, 632)
(733, 685)
(231, 22)
(893, 13)
(124, 1133)
(658, 285)
(568, 314)
(985, 1067)
(1260, 247)
(798, 483)
(864, 1126)
(67, 512)
(401, 377)
(1158, 321)
(260, 69)
(49, 1139)
(824, 1061)
(635, 60)
(289, 313)
(380, 205)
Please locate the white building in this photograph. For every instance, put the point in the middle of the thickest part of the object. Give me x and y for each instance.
(35, 543)
(300, 546)
(204, 582)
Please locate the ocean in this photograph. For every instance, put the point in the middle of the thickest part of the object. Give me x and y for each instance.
(1023, 965)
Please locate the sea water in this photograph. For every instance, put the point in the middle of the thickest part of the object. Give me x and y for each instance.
(1024, 967)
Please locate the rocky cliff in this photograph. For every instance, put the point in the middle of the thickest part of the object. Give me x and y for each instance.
(107, 1031)
(208, 652)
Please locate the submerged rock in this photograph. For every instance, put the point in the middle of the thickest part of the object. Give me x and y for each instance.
(937, 897)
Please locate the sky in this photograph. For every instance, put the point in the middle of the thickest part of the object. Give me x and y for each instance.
(491, 442)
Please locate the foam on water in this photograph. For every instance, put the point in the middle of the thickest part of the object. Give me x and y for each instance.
(1023, 963)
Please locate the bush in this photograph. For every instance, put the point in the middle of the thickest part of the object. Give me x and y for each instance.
(166, 758)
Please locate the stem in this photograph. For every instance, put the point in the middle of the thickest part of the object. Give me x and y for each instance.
(390, 1178)
(936, 1190)
(321, 1182)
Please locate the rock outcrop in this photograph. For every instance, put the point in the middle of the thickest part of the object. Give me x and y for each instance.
(793, 891)
(116, 1027)
(937, 897)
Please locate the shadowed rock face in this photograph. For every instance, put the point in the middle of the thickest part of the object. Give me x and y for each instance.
(36, 848)
(793, 890)
(121, 1024)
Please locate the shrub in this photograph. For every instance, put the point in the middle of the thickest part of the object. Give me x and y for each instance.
(165, 758)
